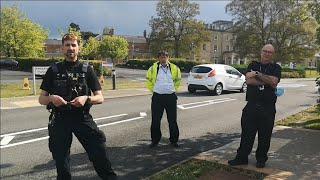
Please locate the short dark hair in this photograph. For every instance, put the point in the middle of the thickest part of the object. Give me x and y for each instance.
(162, 52)
(70, 37)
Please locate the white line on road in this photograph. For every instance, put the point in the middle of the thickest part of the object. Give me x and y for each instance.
(42, 138)
(118, 122)
(6, 140)
(206, 103)
(44, 128)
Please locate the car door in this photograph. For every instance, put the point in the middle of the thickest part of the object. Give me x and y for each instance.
(237, 80)
(229, 78)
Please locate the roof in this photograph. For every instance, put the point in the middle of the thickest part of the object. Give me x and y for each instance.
(134, 39)
(53, 42)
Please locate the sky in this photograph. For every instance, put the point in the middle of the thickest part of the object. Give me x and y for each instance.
(126, 17)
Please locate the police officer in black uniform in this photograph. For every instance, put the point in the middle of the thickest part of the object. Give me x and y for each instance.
(259, 113)
(66, 90)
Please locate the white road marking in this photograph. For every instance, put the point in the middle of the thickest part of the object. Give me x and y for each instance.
(118, 122)
(204, 103)
(143, 114)
(44, 128)
(46, 137)
(6, 140)
(24, 142)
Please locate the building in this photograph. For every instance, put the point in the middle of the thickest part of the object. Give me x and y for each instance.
(53, 48)
(138, 45)
(220, 48)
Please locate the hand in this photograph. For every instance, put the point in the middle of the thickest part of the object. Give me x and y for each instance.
(79, 101)
(57, 100)
(251, 74)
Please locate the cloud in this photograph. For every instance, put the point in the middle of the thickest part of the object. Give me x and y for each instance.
(127, 17)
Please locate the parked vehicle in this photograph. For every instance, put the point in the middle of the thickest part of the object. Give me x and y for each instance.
(9, 64)
(215, 78)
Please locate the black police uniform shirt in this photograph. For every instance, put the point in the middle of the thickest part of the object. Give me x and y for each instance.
(91, 78)
(263, 94)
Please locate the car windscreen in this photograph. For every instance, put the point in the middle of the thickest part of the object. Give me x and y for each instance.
(200, 69)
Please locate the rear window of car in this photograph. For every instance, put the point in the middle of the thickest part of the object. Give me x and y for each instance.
(200, 69)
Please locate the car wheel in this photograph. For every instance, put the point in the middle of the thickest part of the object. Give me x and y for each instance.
(191, 90)
(244, 87)
(218, 89)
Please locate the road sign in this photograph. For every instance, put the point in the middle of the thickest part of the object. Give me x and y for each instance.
(105, 64)
(40, 70)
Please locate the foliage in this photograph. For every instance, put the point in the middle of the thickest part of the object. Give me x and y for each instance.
(113, 47)
(90, 49)
(19, 35)
(174, 28)
(285, 23)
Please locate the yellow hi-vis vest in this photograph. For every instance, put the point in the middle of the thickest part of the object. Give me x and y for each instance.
(153, 72)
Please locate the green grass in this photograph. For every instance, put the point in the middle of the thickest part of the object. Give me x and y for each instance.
(15, 90)
(194, 169)
(312, 74)
(309, 119)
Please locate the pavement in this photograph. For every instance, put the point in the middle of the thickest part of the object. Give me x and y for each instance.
(294, 153)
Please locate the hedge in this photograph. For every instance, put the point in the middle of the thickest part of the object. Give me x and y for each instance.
(186, 66)
(25, 63)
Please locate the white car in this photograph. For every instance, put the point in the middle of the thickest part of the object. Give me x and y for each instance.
(215, 78)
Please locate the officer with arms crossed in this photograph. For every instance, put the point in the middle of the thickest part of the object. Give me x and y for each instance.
(259, 113)
(163, 79)
(66, 90)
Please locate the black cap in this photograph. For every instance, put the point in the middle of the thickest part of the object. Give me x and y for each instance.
(165, 53)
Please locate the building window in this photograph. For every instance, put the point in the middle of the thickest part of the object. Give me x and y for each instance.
(227, 38)
(227, 48)
(215, 48)
(215, 37)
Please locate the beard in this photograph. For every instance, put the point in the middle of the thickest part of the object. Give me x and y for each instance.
(71, 54)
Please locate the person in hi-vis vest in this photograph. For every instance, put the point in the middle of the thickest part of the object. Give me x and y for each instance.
(163, 80)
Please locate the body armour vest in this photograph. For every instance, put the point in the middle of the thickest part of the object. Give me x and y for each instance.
(70, 81)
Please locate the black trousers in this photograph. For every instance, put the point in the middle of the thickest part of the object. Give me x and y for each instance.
(92, 139)
(161, 102)
(256, 118)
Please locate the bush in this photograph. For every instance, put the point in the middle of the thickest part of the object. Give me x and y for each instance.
(185, 66)
(25, 63)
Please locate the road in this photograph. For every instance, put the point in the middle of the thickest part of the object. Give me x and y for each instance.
(205, 121)
(8, 76)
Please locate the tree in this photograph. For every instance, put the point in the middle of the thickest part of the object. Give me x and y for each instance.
(113, 47)
(19, 35)
(175, 25)
(314, 7)
(86, 35)
(90, 49)
(285, 23)
(74, 26)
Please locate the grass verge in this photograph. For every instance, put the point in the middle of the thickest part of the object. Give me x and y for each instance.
(201, 169)
(15, 90)
(309, 119)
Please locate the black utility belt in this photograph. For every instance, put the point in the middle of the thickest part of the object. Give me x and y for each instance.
(157, 94)
(258, 103)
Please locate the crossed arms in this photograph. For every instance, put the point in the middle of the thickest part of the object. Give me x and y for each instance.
(256, 78)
